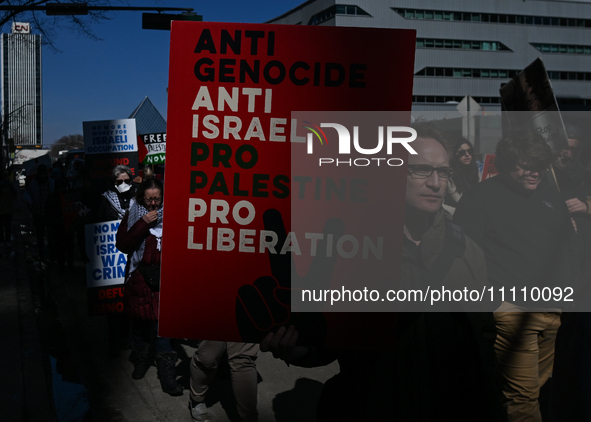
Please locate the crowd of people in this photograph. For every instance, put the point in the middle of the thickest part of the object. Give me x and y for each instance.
(60, 206)
(524, 228)
(528, 226)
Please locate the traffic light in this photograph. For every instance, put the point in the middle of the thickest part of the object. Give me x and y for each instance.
(163, 20)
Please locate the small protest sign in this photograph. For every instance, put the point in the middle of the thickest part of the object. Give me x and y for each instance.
(105, 271)
(108, 143)
(488, 169)
(155, 148)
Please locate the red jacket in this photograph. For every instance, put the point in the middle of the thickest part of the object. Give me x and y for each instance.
(140, 302)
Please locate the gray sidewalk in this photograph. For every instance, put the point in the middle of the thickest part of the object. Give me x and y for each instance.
(45, 325)
(25, 386)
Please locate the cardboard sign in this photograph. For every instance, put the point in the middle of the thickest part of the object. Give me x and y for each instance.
(105, 272)
(154, 150)
(489, 169)
(109, 136)
(229, 176)
(109, 143)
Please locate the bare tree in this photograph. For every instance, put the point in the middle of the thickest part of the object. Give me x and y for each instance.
(68, 142)
(48, 26)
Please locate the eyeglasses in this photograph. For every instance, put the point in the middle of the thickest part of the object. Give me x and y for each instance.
(155, 200)
(126, 181)
(464, 152)
(423, 171)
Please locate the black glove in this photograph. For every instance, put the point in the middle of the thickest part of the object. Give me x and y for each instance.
(265, 305)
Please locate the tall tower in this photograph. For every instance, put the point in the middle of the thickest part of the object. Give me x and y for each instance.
(22, 118)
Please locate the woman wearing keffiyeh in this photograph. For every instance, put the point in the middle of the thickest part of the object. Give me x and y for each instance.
(118, 198)
(139, 236)
(115, 203)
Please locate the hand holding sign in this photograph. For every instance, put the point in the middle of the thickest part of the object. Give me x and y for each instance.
(265, 305)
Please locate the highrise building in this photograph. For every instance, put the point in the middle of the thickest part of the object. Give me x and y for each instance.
(468, 47)
(22, 117)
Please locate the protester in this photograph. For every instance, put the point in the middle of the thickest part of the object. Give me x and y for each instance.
(148, 172)
(139, 236)
(524, 229)
(57, 171)
(571, 377)
(8, 195)
(443, 367)
(37, 193)
(116, 201)
(61, 212)
(466, 173)
(204, 364)
(119, 195)
(574, 183)
(574, 180)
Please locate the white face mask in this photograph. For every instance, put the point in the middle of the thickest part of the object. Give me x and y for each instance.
(123, 187)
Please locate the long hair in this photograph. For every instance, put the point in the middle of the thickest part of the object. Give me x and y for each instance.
(148, 184)
(522, 147)
(465, 176)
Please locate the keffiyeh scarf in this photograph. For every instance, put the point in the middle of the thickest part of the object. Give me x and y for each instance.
(137, 211)
(115, 204)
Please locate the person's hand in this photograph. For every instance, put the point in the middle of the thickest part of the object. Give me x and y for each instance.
(265, 305)
(150, 217)
(283, 344)
(574, 224)
(576, 205)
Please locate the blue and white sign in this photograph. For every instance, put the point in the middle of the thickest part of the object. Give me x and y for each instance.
(107, 264)
(110, 136)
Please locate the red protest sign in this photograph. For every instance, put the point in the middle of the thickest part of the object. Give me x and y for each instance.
(228, 184)
(489, 169)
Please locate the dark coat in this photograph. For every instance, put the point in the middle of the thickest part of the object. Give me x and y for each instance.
(140, 302)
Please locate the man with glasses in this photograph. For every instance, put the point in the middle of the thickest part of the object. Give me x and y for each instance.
(443, 366)
(523, 227)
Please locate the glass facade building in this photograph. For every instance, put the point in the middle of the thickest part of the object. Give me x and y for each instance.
(22, 111)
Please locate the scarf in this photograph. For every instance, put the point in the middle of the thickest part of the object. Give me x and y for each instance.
(113, 199)
(137, 211)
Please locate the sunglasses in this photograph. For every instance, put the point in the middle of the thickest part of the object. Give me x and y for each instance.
(126, 181)
(464, 152)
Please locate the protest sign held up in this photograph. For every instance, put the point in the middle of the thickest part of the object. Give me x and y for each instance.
(230, 178)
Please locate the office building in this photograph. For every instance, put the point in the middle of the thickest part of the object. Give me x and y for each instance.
(22, 116)
(472, 47)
